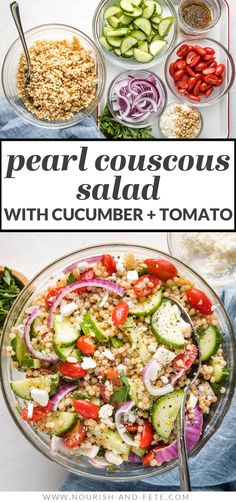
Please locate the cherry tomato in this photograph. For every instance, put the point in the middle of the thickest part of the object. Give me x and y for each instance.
(172, 69)
(200, 66)
(193, 98)
(147, 435)
(112, 376)
(141, 288)
(209, 57)
(200, 50)
(85, 276)
(72, 370)
(190, 71)
(181, 90)
(220, 81)
(183, 82)
(151, 454)
(178, 74)
(75, 436)
(209, 50)
(192, 58)
(185, 361)
(204, 86)
(86, 409)
(39, 412)
(199, 300)
(183, 50)
(220, 69)
(191, 83)
(163, 269)
(197, 88)
(180, 64)
(52, 295)
(120, 313)
(209, 71)
(208, 92)
(85, 345)
(109, 262)
(131, 427)
(211, 79)
(213, 64)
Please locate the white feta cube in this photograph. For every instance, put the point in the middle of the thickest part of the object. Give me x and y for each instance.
(120, 268)
(108, 354)
(113, 458)
(132, 275)
(105, 411)
(88, 363)
(67, 308)
(83, 266)
(164, 356)
(72, 360)
(40, 396)
(30, 409)
(121, 368)
(89, 452)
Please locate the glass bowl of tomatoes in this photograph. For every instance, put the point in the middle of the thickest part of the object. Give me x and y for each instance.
(127, 471)
(200, 71)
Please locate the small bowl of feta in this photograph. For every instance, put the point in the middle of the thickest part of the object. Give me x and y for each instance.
(181, 121)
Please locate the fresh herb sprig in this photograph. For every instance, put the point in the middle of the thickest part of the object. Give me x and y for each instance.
(114, 130)
(9, 290)
(121, 393)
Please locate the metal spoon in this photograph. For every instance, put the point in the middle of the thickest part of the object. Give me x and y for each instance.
(185, 483)
(15, 11)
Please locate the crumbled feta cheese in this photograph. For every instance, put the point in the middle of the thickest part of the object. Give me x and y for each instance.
(164, 356)
(30, 409)
(185, 327)
(130, 417)
(105, 411)
(153, 371)
(151, 348)
(83, 266)
(108, 354)
(88, 363)
(132, 275)
(67, 309)
(121, 368)
(71, 360)
(192, 400)
(113, 458)
(164, 379)
(89, 452)
(104, 299)
(120, 268)
(40, 396)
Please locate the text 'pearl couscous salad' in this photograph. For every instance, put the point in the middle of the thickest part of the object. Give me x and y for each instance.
(107, 355)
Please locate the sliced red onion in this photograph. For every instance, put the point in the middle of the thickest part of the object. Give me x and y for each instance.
(177, 376)
(57, 445)
(53, 359)
(99, 462)
(193, 431)
(62, 392)
(133, 457)
(125, 408)
(150, 374)
(95, 283)
(91, 260)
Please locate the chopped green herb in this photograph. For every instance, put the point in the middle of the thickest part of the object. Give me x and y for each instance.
(71, 278)
(143, 270)
(9, 290)
(121, 394)
(111, 468)
(116, 342)
(114, 130)
(81, 395)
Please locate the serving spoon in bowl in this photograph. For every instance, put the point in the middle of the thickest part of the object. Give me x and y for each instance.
(185, 483)
(15, 11)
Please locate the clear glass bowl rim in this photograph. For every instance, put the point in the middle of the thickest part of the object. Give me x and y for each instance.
(95, 250)
(56, 124)
(200, 31)
(189, 41)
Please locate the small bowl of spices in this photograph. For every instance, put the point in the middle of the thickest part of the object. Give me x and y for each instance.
(181, 121)
(198, 16)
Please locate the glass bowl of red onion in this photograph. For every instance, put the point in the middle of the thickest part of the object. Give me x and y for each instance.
(137, 98)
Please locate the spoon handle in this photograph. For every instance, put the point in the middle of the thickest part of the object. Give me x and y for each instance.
(185, 484)
(14, 6)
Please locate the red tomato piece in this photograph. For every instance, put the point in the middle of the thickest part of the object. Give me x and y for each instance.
(196, 89)
(178, 74)
(204, 86)
(209, 57)
(190, 71)
(120, 313)
(112, 376)
(200, 66)
(39, 412)
(181, 90)
(183, 82)
(163, 269)
(180, 64)
(191, 83)
(72, 370)
(145, 285)
(220, 69)
(193, 97)
(213, 64)
(209, 71)
(85, 345)
(208, 92)
(192, 58)
(85, 276)
(172, 69)
(131, 427)
(151, 454)
(86, 409)
(52, 295)
(183, 50)
(220, 81)
(209, 50)
(185, 361)
(211, 79)
(147, 435)
(199, 300)
(109, 262)
(75, 436)
(200, 50)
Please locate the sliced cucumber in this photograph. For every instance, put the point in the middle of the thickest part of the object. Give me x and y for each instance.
(65, 333)
(115, 42)
(156, 46)
(165, 411)
(209, 342)
(138, 34)
(136, 3)
(104, 43)
(159, 9)
(144, 25)
(146, 307)
(89, 326)
(120, 32)
(127, 43)
(22, 388)
(126, 5)
(117, 52)
(114, 21)
(125, 20)
(139, 451)
(116, 342)
(28, 362)
(63, 422)
(62, 352)
(112, 440)
(221, 373)
(22, 356)
(143, 46)
(136, 13)
(156, 37)
(156, 20)
(134, 334)
(166, 327)
(165, 26)
(149, 9)
(112, 11)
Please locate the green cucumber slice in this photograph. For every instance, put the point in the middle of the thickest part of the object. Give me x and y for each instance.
(134, 333)
(138, 34)
(63, 422)
(117, 52)
(157, 46)
(143, 46)
(22, 388)
(112, 11)
(146, 307)
(28, 362)
(104, 43)
(221, 373)
(136, 3)
(114, 21)
(65, 333)
(156, 20)
(156, 37)
(165, 26)
(89, 326)
(165, 326)
(127, 43)
(112, 440)
(125, 20)
(116, 342)
(62, 352)
(136, 13)
(126, 5)
(120, 32)
(21, 355)
(139, 451)
(142, 57)
(165, 411)
(209, 342)
(159, 9)
(114, 41)
(144, 25)
(149, 9)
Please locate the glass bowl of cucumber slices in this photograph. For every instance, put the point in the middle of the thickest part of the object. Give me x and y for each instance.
(135, 33)
(32, 298)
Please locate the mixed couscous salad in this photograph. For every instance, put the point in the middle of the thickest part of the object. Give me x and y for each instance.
(106, 356)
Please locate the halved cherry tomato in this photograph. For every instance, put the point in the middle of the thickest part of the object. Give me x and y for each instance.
(209, 71)
(85, 345)
(220, 81)
(180, 64)
(163, 269)
(172, 69)
(200, 50)
(141, 288)
(147, 435)
(193, 98)
(211, 79)
(199, 300)
(178, 74)
(200, 66)
(120, 313)
(192, 58)
(109, 262)
(191, 82)
(151, 454)
(131, 427)
(112, 376)
(204, 86)
(209, 50)
(75, 436)
(183, 50)
(39, 412)
(208, 92)
(220, 69)
(86, 409)
(85, 276)
(181, 90)
(72, 370)
(183, 82)
(185, 361)
(209, 57)
(196, 89)
(213, 64)
(52, 295)
(190, 71)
